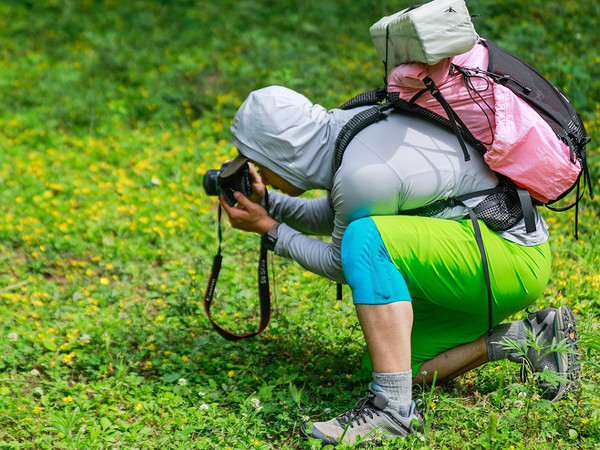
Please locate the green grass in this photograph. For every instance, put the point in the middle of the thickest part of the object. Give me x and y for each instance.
(110, 114)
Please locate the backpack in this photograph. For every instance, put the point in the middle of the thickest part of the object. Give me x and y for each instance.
(519, 142)
(524, 127)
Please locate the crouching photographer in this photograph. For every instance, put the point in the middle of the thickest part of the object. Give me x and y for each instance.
(418, 283)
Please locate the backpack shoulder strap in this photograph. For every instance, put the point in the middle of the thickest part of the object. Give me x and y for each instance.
(366, 98)
(358, 123)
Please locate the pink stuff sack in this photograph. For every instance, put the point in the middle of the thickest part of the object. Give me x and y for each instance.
(519, 143)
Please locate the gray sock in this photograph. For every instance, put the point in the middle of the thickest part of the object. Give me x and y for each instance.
(398, 387)
(495, 341)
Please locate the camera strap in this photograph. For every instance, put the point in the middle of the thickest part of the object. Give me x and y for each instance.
(263, 290)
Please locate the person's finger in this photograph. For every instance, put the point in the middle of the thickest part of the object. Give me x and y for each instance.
(253, 173)
(225, 205)
(242, 200)
(258, 186)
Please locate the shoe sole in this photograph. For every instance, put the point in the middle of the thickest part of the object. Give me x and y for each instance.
(565, 328)
(309, 431)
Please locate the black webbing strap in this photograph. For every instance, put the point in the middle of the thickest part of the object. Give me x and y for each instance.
(486, 267)
(440, 205)
(446, 203)
(263, 290)
(452, 116)
(579, 193)
(527, 208)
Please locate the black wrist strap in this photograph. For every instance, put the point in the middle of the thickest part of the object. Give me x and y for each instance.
(263, 290)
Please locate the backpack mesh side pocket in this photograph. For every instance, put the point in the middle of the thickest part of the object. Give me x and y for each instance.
(500, 211)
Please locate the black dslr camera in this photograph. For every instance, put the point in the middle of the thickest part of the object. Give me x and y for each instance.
(231, 177)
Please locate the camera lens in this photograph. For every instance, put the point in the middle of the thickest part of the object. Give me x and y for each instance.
(209, 182)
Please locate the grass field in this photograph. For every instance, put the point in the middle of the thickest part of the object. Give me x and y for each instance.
(110, 114)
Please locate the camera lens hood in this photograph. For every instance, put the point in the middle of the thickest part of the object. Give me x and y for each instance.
(233, 166)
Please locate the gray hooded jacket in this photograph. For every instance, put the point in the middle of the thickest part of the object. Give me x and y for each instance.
(397, 164)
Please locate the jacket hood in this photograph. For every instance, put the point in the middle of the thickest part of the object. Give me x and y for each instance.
(283, 131)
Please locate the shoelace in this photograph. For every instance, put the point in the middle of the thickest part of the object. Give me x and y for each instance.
(363, 407)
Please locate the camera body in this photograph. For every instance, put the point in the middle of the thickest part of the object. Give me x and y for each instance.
(231, 177)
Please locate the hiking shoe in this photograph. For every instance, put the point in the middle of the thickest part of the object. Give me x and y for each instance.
(550, 325)
(369, 420)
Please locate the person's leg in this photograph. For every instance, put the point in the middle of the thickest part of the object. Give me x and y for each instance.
(453, 363)
(387, 330)
(384, 310)
(459, 360)
(441, 263)
(385, 314)
(445, 334)
(547, 325)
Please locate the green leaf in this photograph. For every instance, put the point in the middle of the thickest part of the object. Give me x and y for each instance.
(573, 433)
(49, 344)
(266, 392)
(295, 393)
(171, 377)
(105, 423)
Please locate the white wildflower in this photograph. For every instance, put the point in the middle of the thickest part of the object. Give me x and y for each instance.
(156, 181)
(13, 337)
(34, 373)
(85, 339)
(256, 403)
(203, 406)
(182, 382)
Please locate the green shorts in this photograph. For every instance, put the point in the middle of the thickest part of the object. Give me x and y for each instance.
(441, 264)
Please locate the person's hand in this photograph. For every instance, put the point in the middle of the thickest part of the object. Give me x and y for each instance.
(247, 215)
(258, 187)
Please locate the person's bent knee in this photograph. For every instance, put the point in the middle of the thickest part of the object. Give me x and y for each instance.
(368, 269)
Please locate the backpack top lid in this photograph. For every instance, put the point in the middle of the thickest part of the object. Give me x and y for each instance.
(424, 33)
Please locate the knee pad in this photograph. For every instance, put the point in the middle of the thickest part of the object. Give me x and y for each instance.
(368, 269)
